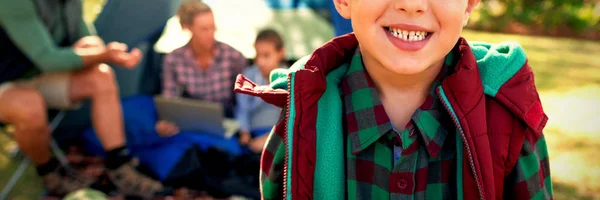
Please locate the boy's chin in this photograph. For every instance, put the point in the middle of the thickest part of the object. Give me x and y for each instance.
(411, 71)
(406, 69)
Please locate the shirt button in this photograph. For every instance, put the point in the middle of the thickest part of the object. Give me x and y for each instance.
(402, 184)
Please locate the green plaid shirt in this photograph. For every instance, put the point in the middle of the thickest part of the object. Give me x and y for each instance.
(382, 163)
(426, 165)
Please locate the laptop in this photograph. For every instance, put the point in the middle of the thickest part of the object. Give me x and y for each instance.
(192, 115)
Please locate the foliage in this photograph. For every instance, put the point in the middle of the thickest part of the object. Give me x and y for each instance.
(547, 15)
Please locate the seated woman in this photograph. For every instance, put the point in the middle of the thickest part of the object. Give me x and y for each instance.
(257, 117)
(203, 69)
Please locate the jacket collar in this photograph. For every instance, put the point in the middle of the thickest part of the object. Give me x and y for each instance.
(367, 120)
(464, 83)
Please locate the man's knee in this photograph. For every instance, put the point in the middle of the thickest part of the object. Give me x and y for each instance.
(102, 79)
(25, 107)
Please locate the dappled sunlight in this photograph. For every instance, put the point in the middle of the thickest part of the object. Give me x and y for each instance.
(544, 43)
(572, 134)
(4, 162)
(6, 147)
(91, 9)
(558, 63)
(579, 167)
(574, 111)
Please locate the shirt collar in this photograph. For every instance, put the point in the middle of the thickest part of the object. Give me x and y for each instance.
(217, 51)
(367, 121)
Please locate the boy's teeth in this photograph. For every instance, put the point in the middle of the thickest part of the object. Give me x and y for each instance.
(408, 35)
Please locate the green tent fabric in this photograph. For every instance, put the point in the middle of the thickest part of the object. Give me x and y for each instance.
(238, 21)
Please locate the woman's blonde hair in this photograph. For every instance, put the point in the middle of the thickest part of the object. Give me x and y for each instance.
(189, 9)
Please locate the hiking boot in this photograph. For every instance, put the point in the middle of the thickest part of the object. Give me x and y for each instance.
(61, 181)
(130, 182)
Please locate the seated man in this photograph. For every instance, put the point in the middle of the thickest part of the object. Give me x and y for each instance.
(48, 60)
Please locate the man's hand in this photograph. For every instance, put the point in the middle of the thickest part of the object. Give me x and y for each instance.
(116, 53)
(89, 42)
(93, 51)
(166, 129)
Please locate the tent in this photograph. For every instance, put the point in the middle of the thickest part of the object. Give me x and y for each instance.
(150, 26)
(140, 23)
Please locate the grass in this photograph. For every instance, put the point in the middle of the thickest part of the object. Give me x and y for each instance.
(29, 186)
(568, 79)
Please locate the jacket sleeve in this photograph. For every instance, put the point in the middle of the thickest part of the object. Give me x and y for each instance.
(530, 177)
(273, 160)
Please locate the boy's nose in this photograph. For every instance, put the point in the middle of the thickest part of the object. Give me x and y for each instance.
(411, 7)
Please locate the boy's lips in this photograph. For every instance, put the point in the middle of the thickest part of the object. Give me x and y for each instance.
(408, 27)
(407, 37)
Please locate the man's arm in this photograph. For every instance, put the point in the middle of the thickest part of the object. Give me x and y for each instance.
(27, 31)
(530, 178)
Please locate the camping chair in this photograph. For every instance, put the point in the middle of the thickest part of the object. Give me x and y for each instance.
(16, 155)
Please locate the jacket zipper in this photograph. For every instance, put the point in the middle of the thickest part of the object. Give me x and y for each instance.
(462, 135)
(285, 137)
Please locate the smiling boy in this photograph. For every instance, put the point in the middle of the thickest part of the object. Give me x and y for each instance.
(405, 108)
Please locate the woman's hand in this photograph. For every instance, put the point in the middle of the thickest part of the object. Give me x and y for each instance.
(245, 138)
(257, 144)
(166, 129)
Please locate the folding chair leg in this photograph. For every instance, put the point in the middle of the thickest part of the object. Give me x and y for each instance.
(14, 178)
(60, 156)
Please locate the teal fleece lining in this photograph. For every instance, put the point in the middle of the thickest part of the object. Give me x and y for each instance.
(459, 145)
(459, 166)
(279, 76)
(279, 80)
(497, 63)
(330, 184)
(290, 137)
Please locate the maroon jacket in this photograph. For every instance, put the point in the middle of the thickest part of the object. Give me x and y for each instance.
(498, 114)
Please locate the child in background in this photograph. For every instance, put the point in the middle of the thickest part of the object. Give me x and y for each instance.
(405, 108)
(257, 117)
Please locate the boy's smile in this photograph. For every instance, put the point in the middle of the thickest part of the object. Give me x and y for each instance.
(408, 37)
(405, 37)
